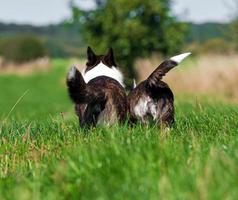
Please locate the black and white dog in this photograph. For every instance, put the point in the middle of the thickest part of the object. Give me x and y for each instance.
(152, 99)
(98, 92)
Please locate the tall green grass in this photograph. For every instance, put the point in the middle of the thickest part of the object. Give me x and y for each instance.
(45, 155)
(45, 93)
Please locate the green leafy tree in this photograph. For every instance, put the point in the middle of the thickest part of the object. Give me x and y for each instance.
(134, 28)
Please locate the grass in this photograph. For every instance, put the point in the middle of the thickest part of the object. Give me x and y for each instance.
(45, 155)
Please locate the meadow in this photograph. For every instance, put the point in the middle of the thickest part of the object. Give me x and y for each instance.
(44, 154)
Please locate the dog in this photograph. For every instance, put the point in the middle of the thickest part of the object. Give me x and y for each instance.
(98, 92)
(153, 100)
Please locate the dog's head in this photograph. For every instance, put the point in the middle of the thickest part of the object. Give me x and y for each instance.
(101, 65)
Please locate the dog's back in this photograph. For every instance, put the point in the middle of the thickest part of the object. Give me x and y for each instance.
(112, 108)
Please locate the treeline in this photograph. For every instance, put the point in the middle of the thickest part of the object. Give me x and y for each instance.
(210, 38)
(69, 35)
(203, 32)
(59, 40)
(62, 40)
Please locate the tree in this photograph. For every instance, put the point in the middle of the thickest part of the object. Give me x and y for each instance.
(233, 31)
(134, 28)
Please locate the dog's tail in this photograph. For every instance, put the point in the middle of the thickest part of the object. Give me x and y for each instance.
(78, 90)
(76, 86)
(165, 67)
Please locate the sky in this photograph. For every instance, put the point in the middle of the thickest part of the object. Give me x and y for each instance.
(43, 12)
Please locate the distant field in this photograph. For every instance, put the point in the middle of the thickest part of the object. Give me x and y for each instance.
(214, 75)
(45, 155)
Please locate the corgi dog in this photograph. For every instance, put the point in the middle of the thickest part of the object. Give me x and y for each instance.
(152, 99)
(98, 91)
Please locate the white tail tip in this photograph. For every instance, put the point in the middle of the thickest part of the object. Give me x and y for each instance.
(72, 73)
(179, 58)
(134, 83)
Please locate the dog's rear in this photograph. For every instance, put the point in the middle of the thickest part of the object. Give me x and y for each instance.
(98, 93)
(152, 99)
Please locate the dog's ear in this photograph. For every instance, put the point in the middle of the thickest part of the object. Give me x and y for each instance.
(92, 57)
(109, 58)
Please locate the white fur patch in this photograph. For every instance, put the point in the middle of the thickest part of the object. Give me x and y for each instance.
(103, 70)
(141, 107)
(134, 83)
(144, 107)
(179, 58)
(72, 73)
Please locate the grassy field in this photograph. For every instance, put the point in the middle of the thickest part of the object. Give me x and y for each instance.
(45, 155)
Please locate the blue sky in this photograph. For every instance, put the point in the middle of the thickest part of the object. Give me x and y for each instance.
(41, 12)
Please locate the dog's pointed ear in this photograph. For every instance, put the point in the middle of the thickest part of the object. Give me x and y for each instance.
(91, 55)
(109, 58)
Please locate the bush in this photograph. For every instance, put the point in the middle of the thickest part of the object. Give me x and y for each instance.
(22, 49)
(212, 46)
(217, 46)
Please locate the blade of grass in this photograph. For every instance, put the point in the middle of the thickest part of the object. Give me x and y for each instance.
(14, 106)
